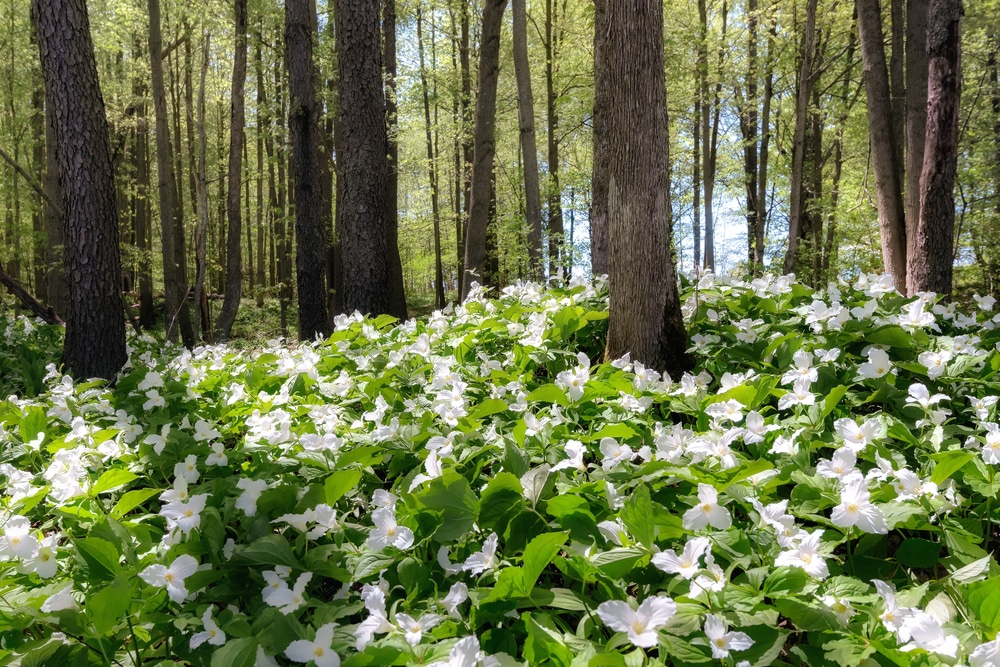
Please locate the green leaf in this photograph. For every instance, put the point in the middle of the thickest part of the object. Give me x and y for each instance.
(559, 598)
(833, 397)
(32, 423)
(112, 479)
(637, 515)
(490, 406)
(544, 644)
(784, 581)
(616, 563)
(108, 606)
(917, 553)
(271, 550)
(948, 463)
(893, 336)
(101, 557)
(808, 617)
(340, 483)
(132, 499)
(236, 653)
(538, 554)
(501, 500)
(452, 498)
(619, 431)
(549, 393)
(984, 601)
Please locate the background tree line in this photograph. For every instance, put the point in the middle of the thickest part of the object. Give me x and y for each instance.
(772, 157)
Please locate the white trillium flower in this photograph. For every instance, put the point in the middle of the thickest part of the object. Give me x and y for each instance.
(466, 653)
(857, 436)
(806, 555)
(319, 650)
(686, 564)
(457, 594)
(926, 633)
(707, 512)
(387, 531)
(722, 642)
(60, 600)
(483, 560)
(172, 578)
(878, 364)
(986, 654)
(212, 633)
(17, 540)
(414, 629)
(856, 508)
(643, 624)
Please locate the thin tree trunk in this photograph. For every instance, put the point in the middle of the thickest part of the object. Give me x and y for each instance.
(262, 129)
(485, 146)
(556, 240)
(431, 169)
(201, 183)
(178, 315)
(599, 241)
(526, 117)
(696, 175)
(397, 297)
(916, 116)
(468, 132)
(748, 128)
(897, 90)
(796, 211)
(765, 142)
(888, 193)
(931, 268)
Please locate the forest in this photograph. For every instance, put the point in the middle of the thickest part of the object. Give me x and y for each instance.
(611, 333)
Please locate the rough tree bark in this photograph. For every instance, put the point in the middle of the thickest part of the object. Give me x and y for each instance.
(94, 345)
(556, 229)
(599, 242)
(888, 193)
(526, 119)
(485, 146)
(930, 269)
(432, 175)
(644, 303)
(916, 117)
(397, 294)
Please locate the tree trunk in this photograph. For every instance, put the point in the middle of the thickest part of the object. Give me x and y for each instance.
(888, 193)
(201, 188)
(38, 169)
(931, 267)
(397, 295)
(748, 130)
(94, 345)
(765, 142)
(556, 240)
(916, 116)
(363, 226)
(710, 115)
(177, 314)
(644, 303)
(897, 90)
(696, 175)
(303, 130)
(526, 118)
(485, 146)
(234, 214)
(468, 132)
(55, 279)
(599, 241)
(263, 128)
(431, 169)
(796, 210)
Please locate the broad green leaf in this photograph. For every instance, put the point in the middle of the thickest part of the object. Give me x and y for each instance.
(271, 550)
(948, 463)
(549, 393)
(236, 653)
(785, 581)
(893, 336)
(618, 431)
(132, 499)
(559, 598)
(452, 498)
(538, 554)
(32, 423)
(918, 553)
(490, 406)
(544, 644)
(340, 483)
(983, 598)
(501, 500)
(107, 607)
(101, 557)
(805, 616)
(616, 563)
(832, 399)
(112, 479)
(637, 515)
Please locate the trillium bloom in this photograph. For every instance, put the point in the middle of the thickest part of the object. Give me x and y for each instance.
(43, 561)
(184, 516)
(920, 395)
(799, 395)
(893, 616)
(878, 364)
(731, 410)
(287, 599)
(17, 540)
(218, 456)
(614, 452)
(722, 642)
(986, 655)
(377, 621)
(212, 633)
(806, 554)
(575, 381)
(413, 629)
(803, 368)
(687, 564)
(466, 653)
(840, 465)
(483, 560)
(839, 606)
(643, 624)
(926, 633)
(936, 362)
(575, 451)
(319, 650)
(755, 428)
(387, 531)
(252, 488)
(458, 594)
(60, 600)
(856, 508)
(707, 512)
(857, 436)
(172, 578)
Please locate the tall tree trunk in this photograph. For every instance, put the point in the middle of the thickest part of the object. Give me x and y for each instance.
(830, 247)
(431, 169)
(38, 169)
(142, 215)
(189, 113)
(303, 129)
(696, 175)
(282, 233)
(234, 232)
(765, 142)
(748, 130)
(897, 90)
(888, 193)
(599, 241)
(262, 129)
(931, 268)
(94, 345)
(178, 315)
(796, 212)
(916, 116)
(397, 296)
(710, 116)
(468, 137)
(363, 225)
(644, 302)
(55, 279)
(556, 240)
(526, 118)
(485, 146)
(201, 188)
